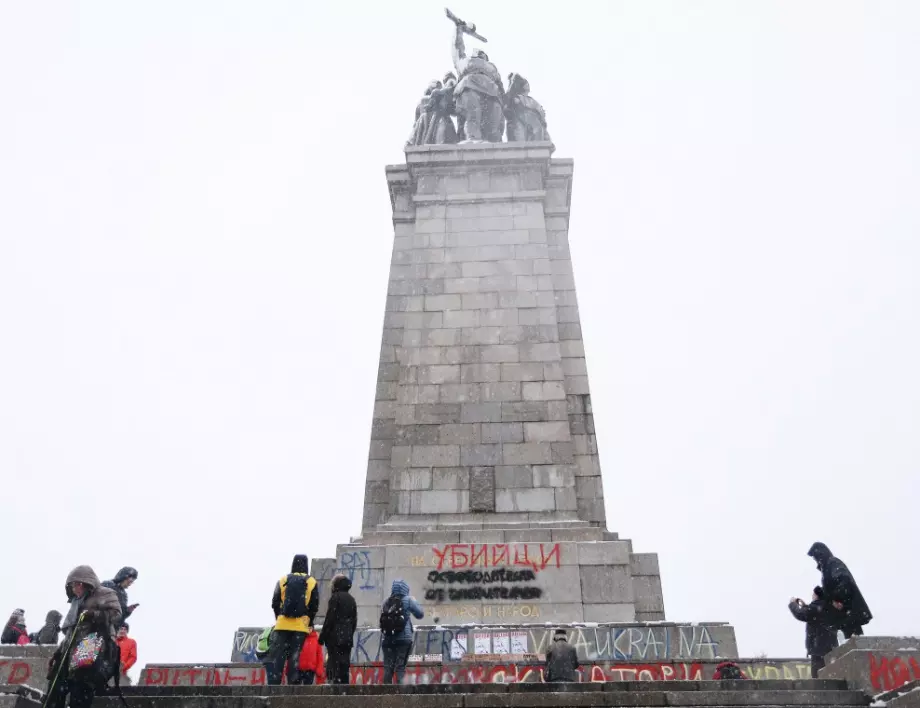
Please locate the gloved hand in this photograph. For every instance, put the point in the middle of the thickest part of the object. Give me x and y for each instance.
(53, 663)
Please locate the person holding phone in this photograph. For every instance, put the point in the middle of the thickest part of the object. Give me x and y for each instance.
(123, 579)
(820, 634)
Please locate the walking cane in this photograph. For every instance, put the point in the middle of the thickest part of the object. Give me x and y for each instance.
(65, 659)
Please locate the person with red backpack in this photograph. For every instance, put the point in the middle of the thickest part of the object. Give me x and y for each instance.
(15, 630)
(396, 630)
(728, 671)
(311, 665)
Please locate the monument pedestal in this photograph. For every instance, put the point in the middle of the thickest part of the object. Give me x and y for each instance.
(551, 577)
(484, 487)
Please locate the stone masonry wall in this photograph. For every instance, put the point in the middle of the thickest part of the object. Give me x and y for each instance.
(450, 643)
(483, 411)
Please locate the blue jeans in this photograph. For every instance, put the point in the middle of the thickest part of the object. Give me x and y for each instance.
(395, 658)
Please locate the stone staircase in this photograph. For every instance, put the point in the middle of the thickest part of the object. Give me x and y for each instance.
(685, 694)
(19, 697)
(906, 696)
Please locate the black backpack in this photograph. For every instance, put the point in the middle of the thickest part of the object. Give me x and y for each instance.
(295, 596)
(393, 617)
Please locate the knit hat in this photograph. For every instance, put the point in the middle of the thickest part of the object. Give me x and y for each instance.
(300, 564)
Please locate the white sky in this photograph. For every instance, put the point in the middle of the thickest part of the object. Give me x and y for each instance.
(194, 242)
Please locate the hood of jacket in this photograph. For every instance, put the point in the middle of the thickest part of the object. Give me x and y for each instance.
(300, 564)
(400, 588)
(53, 618)
(81, 574)
(820, 552)
(124, 574)
(341, 583)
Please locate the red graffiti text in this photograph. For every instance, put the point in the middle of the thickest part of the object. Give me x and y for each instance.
(203, 676)
(599, 672)
(14, 672)
(890, 672)
(492, 555)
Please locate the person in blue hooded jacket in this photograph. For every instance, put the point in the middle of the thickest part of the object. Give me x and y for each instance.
(396, 628)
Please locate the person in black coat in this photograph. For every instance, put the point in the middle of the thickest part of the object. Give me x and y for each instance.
(561, 660)
(848, 610)
(123, 579)
(820, 635)
(338, 630)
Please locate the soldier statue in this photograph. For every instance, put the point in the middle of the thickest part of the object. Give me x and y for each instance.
(478, 95)
(526, 118)
(423, 114)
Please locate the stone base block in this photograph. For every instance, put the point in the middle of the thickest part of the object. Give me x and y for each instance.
(23, 671)
(25, 665)
(502, 575)
(629, 641)
(876, 644)
(875, 671)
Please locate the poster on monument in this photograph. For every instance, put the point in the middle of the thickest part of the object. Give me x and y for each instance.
(519, 642)
(501, 643)
(482, 643)
(458, 647)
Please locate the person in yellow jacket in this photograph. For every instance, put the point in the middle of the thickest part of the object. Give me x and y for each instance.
(295, 603)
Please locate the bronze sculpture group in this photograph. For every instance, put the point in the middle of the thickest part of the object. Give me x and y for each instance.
(477, 99)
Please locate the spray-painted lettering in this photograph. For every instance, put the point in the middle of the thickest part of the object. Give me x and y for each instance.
(890, 672)
(15, 672)
(537, 556)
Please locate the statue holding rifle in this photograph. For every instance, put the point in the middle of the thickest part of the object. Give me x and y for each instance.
(479, 95)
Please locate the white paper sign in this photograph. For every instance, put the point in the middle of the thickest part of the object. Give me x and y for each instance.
(482, 643)
(501, 643)
(519, 642)
(458, 646)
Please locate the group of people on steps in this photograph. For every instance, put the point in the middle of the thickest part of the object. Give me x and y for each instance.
(291, 649)
(96, 649)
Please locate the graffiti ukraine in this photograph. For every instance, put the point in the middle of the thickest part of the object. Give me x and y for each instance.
(591, 643)
(604, 643)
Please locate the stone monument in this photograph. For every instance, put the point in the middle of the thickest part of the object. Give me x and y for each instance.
(483, 481)
(484, 487)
